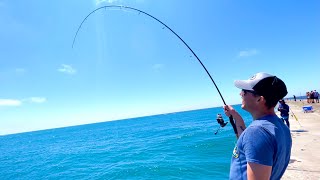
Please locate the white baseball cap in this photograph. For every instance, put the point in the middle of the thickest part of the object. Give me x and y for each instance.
(264, 84)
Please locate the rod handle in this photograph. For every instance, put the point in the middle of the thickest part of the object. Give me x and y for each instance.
(233, 126)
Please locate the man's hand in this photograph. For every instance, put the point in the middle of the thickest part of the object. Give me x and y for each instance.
(228, 110)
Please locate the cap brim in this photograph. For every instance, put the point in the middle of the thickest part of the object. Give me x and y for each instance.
(244, 84)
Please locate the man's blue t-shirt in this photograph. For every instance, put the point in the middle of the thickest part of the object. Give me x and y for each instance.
(265, 141)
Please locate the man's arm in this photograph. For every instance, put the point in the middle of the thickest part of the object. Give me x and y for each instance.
(258, 171)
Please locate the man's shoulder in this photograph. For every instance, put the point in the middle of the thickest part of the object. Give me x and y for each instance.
(266, 119)
(260, 126)
(268, 123)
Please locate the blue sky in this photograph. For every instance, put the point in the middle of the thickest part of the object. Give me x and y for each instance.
(125, 64)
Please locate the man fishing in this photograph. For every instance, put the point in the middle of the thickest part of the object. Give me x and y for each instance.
(284, 112)
(263, 149)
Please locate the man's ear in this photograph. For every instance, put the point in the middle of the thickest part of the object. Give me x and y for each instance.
(261, 98)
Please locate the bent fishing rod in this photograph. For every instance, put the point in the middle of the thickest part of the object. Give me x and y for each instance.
(149, 15)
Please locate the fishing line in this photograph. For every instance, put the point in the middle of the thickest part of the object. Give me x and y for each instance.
(217, 130)
(140, 11)
(295, 117)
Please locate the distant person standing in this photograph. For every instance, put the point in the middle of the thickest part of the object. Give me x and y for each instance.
(308, 97)
(311, 97)
(284, 112)
(316, 96)
(294, 97)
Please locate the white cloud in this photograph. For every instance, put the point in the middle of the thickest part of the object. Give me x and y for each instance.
(20, 70)
(37, 99)
(98, 2)
(10, 102)
(158, 66)
(247, 53)
(15, 102)
(67, 69)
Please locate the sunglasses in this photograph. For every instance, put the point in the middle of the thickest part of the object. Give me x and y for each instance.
(249, 91)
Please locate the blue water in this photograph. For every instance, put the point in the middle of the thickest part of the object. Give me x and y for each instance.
(169, 146)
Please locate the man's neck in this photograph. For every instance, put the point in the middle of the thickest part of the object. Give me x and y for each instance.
(266, 112)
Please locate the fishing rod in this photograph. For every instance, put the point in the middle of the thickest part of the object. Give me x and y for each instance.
(149, 15)
(295, 117)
